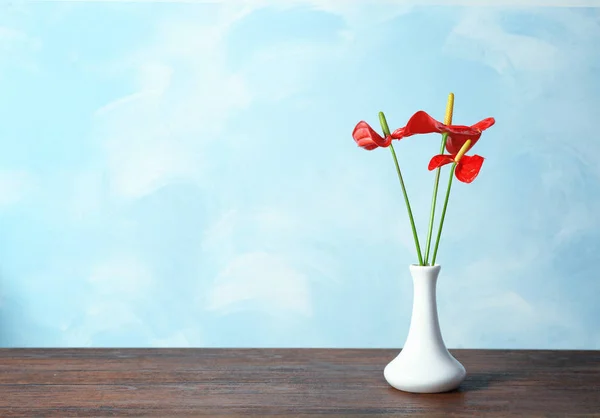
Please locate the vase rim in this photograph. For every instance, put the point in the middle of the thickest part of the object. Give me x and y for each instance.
(425, 267)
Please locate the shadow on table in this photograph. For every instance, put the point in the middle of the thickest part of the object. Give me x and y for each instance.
(473, 382)
(481, 381)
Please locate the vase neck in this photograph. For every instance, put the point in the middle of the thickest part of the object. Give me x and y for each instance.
(424, 325)
(425, 280)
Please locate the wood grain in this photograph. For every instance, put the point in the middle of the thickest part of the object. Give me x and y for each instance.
(287, 382)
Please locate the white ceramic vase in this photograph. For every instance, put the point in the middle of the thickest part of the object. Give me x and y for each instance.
(424, 365)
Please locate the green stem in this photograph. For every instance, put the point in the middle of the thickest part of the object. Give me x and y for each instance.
(434, 200)
(439, 234)
(386, 132)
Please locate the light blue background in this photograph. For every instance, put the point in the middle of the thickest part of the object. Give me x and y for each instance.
(184, 174)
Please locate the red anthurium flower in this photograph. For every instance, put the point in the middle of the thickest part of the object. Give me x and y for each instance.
(367, 138)
(467, 167)
(422, 123)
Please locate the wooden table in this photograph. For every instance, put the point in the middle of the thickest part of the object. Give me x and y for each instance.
(287, 382)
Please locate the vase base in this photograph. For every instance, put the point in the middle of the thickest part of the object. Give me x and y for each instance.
(410, 376)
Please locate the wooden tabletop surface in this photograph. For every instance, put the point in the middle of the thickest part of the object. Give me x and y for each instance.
(287, 382)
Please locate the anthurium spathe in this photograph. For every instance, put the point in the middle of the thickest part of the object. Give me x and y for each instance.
(422, 123)
(366, 137)
(467, 167)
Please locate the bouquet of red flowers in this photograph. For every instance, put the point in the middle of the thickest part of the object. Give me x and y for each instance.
(457, 140)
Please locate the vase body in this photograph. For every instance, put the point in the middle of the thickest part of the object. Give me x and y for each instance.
(424, 365)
